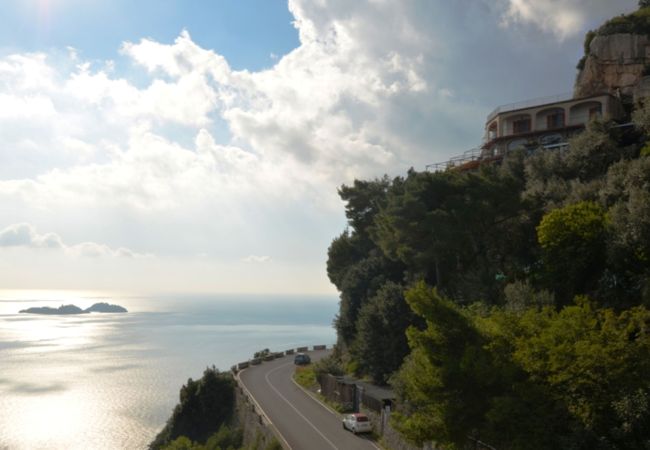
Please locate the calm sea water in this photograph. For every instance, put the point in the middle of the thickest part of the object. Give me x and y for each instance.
(110, 381)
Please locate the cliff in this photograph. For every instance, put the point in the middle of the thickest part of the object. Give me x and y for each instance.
(617, 58)
(614, 63)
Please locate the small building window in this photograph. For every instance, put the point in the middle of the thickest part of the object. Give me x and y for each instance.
(521, 126)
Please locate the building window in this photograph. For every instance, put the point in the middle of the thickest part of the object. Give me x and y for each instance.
(521, 126)
(555, 120)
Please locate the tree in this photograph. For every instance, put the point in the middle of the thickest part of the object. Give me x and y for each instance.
(381, 346)
(595, 362)
(644, 3)
(574, 378)
(573, 245)
(442, 384)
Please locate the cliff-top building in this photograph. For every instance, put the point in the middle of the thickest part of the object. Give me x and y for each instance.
(544, 123)
(614, 71)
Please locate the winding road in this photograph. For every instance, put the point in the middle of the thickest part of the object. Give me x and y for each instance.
(303, 422)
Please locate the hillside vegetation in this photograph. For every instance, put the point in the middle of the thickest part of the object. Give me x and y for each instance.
(510, 304)
(202, 416)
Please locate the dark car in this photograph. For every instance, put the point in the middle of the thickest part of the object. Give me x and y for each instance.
(301, 359)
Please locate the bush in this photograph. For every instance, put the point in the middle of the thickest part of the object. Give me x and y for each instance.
(305, 377)
(330, 364)
(636, 23)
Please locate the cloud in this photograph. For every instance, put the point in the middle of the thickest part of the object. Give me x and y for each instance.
(256, 259)
(564, 18)
(25, 235)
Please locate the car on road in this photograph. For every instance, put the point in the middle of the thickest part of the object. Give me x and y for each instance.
(301, 359)
(357, 423)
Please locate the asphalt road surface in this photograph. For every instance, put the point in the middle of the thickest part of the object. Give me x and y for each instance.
(304, 423)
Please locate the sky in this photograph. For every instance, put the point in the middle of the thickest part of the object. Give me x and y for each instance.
(160, 147)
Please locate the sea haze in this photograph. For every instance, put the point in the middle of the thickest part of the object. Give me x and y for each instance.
(110, 381)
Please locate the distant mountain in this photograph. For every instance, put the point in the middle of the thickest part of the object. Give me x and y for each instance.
(72, 309)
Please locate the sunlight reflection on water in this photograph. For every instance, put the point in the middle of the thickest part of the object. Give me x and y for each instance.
(110, 381)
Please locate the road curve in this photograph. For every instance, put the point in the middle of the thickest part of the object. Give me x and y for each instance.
(304, 423)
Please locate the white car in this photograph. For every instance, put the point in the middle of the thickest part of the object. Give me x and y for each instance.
(357, 423)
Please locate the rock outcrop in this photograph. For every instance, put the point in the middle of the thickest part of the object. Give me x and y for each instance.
(615, 64)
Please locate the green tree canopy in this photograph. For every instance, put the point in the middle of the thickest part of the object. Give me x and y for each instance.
(573, 245)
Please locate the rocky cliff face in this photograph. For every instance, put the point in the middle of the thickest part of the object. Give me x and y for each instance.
(615, 64)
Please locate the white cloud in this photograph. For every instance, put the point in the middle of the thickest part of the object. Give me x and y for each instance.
(564, 18)
(256, 259)
(25, 235)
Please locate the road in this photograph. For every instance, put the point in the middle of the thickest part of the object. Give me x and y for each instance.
(303, 422)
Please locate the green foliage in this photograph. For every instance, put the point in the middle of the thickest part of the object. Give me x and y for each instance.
(637, 22)
(224, 439)
(521, 296)
(645, 151)
(262, 353)
(641, 118)
(364, 199)
(329, 364)
(576, 378)
(587, 50)
(305, 376)
(355, 265)
(572, 242)
(274, 445)
(441, 382)
(381, 344)
(204, 406)
(452, 229)
(183, 443)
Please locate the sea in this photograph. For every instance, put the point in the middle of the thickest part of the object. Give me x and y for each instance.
(110, 381)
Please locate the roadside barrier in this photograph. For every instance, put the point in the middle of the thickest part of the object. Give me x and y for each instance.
(272, 356)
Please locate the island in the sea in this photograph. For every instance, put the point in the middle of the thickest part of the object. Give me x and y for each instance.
(72, 309)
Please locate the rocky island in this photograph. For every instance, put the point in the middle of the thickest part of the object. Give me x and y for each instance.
(72, 309)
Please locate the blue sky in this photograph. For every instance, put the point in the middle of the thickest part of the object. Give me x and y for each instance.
(246, 32)
(158, 147)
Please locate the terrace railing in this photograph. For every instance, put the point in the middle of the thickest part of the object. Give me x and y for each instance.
(540, 101)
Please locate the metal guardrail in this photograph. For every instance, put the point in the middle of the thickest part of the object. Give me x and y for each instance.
(474, 154)
(271, 356)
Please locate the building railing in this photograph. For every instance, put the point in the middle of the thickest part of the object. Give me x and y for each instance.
(457, 161)
(540, 101)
